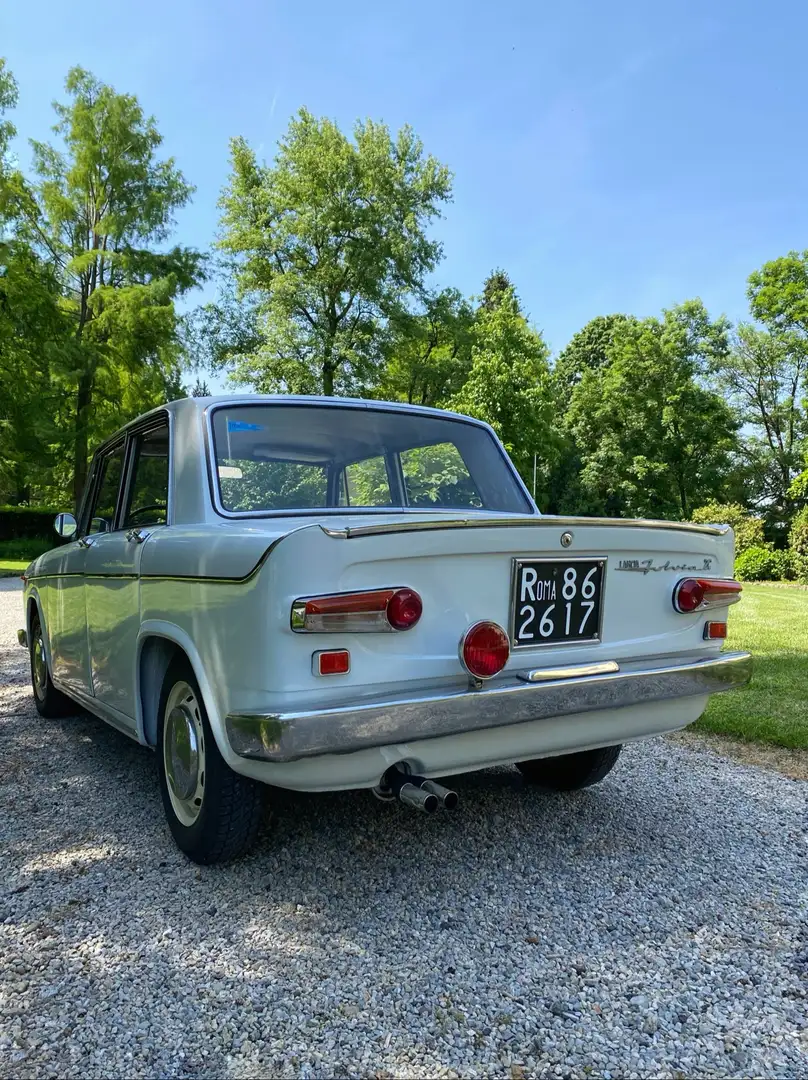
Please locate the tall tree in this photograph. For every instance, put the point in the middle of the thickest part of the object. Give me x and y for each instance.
(509, 385)
(103, 207)
(330, 240)
(762, 376)
(31, 329)
(429, 351)
(650, 434)
(587, 350)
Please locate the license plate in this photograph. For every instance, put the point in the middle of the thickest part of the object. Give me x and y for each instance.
(556, 600)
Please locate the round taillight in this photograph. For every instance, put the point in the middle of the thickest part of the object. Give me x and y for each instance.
(404, 609)
(485, 649)
(688, 595)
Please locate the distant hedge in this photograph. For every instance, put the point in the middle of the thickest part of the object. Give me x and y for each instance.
(26, 523)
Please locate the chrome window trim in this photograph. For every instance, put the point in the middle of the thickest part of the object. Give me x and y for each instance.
(340, 403)
(567, 642)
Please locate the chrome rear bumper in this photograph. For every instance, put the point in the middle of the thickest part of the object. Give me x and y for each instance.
(293, 735)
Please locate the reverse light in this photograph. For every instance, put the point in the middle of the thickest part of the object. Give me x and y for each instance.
(484, 650)
(375, 611)
(698, 594)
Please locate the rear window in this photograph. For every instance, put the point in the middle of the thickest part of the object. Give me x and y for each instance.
(275, 458)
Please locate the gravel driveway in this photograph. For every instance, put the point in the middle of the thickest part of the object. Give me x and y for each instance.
(652, 926)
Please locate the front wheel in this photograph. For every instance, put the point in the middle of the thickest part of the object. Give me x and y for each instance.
(214, 813)
(569, 772)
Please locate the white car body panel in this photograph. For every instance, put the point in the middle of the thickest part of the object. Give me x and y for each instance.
(221, 588)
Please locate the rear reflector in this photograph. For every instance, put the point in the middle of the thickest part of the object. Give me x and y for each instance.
(375, 611)
(715, 630)
(484, 650)
(698, 594)
(331, 662)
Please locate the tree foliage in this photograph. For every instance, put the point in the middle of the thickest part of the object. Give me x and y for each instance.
(508, 385)
(102, 206)
(330, 241)
(652, 437)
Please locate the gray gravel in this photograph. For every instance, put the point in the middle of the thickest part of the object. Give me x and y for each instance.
(652, 926)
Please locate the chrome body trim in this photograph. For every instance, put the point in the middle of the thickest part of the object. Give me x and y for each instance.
(577, 671)
(540, 521)
(343, 729)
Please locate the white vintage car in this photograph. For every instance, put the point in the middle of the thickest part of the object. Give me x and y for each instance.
(318, 593)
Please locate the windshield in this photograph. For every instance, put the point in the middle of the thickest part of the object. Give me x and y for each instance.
(306, 457)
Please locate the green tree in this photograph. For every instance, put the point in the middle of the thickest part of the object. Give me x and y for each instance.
(588, 350)
(102, 209)
(762, 376)
(31, 332)
(330, 242)
(650, 434)
(748, 528)
(509, 386)
(429, 352)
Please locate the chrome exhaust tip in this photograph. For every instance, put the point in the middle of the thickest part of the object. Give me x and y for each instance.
(447, 798)
(418, 798)
(408, 790)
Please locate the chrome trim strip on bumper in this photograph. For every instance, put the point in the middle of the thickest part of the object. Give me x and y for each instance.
(605, 667)
(22, 638)
(289, 736)
(540, 521)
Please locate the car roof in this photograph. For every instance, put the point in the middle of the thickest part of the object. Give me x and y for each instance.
(199, 404)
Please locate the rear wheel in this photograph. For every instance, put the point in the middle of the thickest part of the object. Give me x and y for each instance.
(214, 813)
(569, 772)
(50, 702)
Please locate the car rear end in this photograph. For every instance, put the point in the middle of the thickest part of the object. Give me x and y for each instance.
(467, 635)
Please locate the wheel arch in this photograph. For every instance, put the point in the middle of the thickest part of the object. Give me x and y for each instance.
(159, 644)
(33, 605)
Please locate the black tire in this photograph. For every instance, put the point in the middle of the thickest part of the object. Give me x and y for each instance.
(50, 702)
(220, 818)
(569, 772)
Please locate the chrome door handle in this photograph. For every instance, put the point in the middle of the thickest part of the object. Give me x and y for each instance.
(136, 536)
(85, 541)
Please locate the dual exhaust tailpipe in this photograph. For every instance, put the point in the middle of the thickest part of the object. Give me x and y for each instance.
(418, 792)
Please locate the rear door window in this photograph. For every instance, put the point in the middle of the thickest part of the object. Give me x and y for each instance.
(437, 475)
(105, 501)
(366, 483)
(148, 490)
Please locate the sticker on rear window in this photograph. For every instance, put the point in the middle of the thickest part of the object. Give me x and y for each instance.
(243, 425)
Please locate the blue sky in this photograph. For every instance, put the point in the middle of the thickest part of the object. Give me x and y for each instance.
(610, 156)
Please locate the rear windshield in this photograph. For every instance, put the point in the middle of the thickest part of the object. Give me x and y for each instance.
(304, 457)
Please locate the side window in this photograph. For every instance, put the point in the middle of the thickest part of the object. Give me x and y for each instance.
(148, 489)
(102, 510)
(365, 484)
(436, 475)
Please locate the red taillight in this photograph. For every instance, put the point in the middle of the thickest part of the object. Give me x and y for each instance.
(484, 649)
(331, 662)
(697, 594)
(378, 610)
(404, 609)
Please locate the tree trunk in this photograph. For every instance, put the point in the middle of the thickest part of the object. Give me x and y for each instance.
(328, 379)
(83, 400)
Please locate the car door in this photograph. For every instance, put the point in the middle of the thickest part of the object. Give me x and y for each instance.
(66, 608)
(112, 569)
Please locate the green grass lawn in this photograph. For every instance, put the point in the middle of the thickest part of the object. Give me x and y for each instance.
(772, 623)
(16, 554)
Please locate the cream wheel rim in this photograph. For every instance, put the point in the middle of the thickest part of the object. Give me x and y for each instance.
(184, 753)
